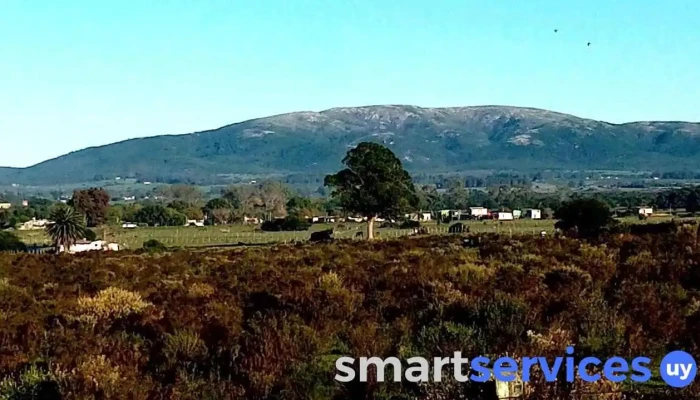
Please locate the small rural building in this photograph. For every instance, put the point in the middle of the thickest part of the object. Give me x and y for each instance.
(5, 206)
(195, 222)
(323, 219)
(357, 219)
(645, 211)
(34, 224)
(25, 203)
(517, 214)
(129, 225)
(478, 212)
(533, 213)
(504, 216)
(421, 216)
(251, 220)
(83, 245)
(454, 215)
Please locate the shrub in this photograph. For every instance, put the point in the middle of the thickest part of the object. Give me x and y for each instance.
(112, 303)
(32, 383)
(10, 242)
(409, 224)
(290, 223)
(90, 235)
(154, 246)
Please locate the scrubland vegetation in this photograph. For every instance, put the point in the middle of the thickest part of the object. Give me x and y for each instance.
(269, 323)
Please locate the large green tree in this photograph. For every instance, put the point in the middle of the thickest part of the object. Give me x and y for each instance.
(373, 184)
(588, 216)
(67, 227)
(92, 203)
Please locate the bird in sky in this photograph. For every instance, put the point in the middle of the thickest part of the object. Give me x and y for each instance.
(556, 30)
(589, 44)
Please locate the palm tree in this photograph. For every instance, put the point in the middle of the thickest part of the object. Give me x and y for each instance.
(67, 227)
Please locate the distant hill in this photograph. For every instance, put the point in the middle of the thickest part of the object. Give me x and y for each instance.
(426, 140)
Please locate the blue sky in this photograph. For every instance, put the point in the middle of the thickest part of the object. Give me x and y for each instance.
(75, 73)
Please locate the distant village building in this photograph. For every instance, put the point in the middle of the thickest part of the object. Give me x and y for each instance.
(504, 216)
(533, 213)
(25, 203)
(422, 216)
(323, 219)
(195, 222)
(34, 224)
(645, 211)
(251, 220)
(129, 198)
(454, 215)
(517, 214)
(478, 212)
(85, 245)
(357, 219)
(129, 225)
(5, 206)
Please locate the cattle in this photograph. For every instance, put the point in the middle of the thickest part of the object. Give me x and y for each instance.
(322, 236)
(360, 235)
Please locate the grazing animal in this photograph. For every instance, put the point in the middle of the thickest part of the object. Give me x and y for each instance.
(360, 235)
(322, 236)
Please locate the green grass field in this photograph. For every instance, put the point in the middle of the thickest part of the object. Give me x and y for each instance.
(247, 234)
(233, 234)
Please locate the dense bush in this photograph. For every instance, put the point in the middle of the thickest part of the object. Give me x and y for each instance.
(10, 242)
(90, 235)
(290, 223)
(409, 224)
(154, 246)
(269, 323)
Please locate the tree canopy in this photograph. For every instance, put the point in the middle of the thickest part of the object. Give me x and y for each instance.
(588, 216)
(92, 203)
(373, 184)
(68, 226)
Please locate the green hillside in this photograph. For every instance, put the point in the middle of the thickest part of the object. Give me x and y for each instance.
(426, 139)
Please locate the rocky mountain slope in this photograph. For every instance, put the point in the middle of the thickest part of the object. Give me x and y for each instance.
(426, 139)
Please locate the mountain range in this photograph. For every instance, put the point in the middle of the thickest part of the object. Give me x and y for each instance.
(425, 139)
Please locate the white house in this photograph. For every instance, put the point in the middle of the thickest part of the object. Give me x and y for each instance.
(83, 245)
(357, 219)
(419, 216)
(5, 206)
(534, 213)
(129, 198)
(195, 222)
(129, 225)
(323, 219)
(251, 220)
(478, 212)
(34, 224)
(645, 211)
(517, 214)
(504, 216)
